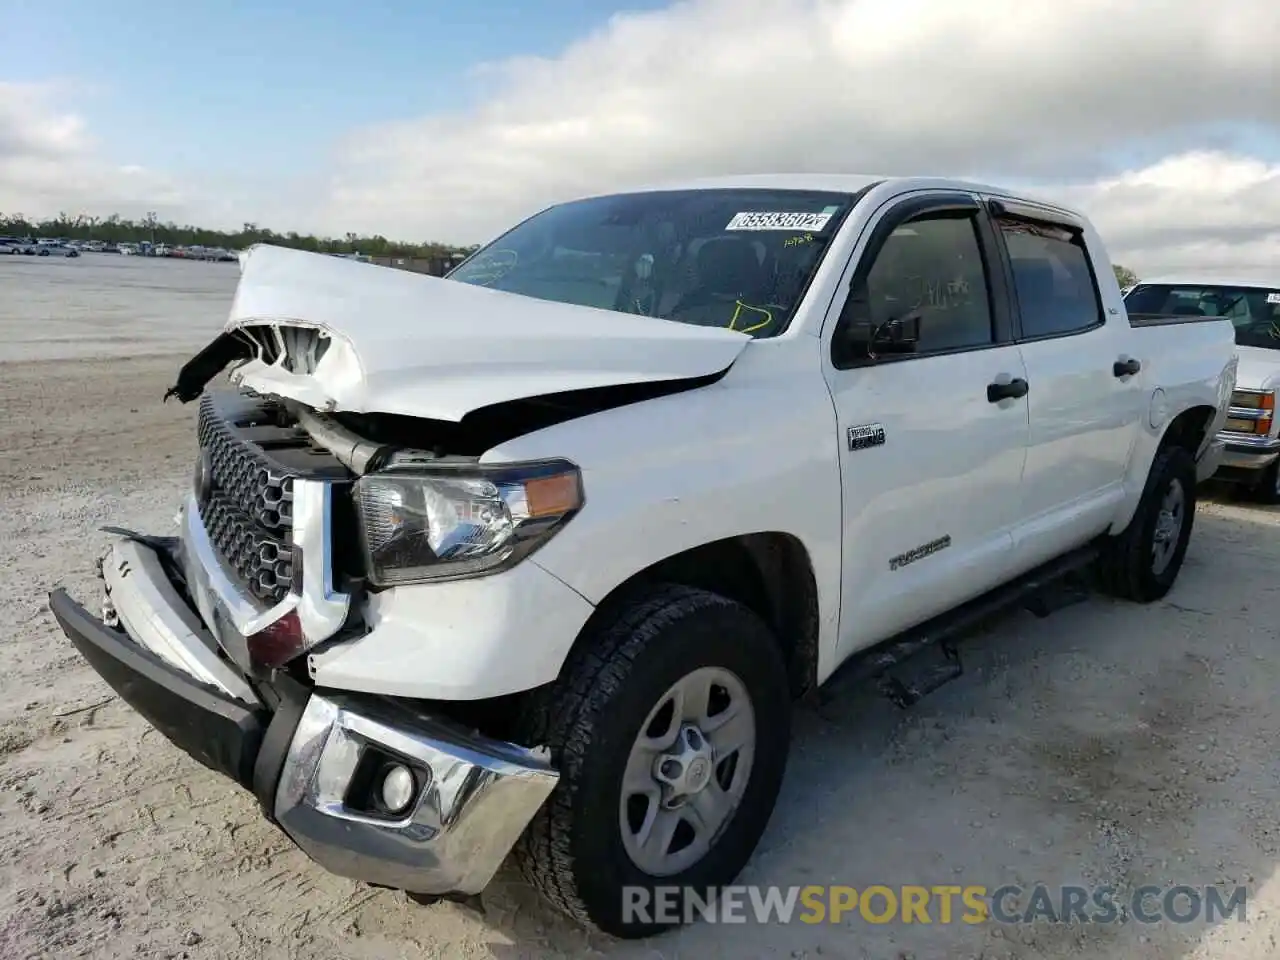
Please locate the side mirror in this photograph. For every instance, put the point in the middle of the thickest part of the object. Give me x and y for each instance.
(898, 334)
(860, 339)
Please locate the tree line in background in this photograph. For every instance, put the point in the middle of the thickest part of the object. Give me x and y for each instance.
(117, 229)
(1124, 276)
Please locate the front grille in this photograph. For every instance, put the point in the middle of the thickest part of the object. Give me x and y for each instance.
(251, 454)
(260, 490)
(263, 563)
(247, 506)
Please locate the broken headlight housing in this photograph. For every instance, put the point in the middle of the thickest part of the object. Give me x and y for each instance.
(424, 520)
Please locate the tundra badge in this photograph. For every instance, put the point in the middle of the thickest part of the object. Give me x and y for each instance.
(920, 552)
(867, 435)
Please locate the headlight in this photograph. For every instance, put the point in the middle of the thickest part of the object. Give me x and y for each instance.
(1252, 411)
(426, 521)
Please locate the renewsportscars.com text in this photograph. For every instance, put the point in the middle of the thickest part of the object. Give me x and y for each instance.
(941, 904)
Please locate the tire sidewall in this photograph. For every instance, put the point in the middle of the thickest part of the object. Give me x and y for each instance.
(1172, 463)
(1268, 489)
(723, 635)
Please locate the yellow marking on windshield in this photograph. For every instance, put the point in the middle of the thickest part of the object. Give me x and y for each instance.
(737, 313)
(796, 241)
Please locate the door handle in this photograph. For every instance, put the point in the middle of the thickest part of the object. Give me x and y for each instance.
(1009, 390)
(1126, 367)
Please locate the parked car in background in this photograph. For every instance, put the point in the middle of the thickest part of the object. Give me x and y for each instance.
(1252, 432)
(539, 557)
(56, 250)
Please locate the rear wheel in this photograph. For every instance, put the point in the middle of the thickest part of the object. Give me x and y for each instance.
(1143, 562)
(670, 727)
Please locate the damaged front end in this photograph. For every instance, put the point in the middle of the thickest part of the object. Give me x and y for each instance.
(205, 635)
(209, 636)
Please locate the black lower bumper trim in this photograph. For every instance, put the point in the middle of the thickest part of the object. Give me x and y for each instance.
(275, 741)
(222, 733)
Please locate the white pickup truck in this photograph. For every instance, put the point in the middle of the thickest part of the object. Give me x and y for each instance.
(536, 559)
(1251, 434)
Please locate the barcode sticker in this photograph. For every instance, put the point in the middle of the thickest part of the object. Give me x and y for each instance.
(811, 222)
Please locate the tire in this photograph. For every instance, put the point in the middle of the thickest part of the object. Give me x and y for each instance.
(574, 851)
(1130, 567)
(1268, 488)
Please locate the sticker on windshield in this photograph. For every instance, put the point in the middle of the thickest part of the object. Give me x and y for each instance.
(812, 222)
(1273, 298)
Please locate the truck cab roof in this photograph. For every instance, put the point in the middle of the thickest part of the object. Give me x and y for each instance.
(840, 183)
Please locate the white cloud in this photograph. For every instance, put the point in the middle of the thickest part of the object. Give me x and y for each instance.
(49, 163)
(1195, 211)
(1039, 90)
(1030, 91)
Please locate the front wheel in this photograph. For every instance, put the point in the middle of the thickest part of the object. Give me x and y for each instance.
(670, 727)
(1143, 562)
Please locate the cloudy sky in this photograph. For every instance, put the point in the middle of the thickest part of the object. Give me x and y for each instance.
(426, 120)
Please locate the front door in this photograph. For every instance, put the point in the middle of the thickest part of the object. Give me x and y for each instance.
(930, 399)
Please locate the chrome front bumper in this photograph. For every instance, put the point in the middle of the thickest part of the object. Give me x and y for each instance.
(478, 797)
(1245, 452)
(308, 762)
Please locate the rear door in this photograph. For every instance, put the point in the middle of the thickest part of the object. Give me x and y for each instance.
(1086, 390)
(929, 394)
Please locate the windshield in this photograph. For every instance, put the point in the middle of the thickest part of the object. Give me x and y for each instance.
(740, 259)
(1254, 311)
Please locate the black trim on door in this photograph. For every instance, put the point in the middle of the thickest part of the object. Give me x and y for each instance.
(958, 204)
(1159, 320)
(1004, 207)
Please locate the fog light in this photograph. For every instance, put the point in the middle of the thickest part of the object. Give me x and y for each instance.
(397, 788)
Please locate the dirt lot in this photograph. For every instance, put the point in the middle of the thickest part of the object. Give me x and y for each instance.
(1109, 744)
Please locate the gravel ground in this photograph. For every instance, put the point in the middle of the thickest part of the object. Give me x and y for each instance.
(1110, 744)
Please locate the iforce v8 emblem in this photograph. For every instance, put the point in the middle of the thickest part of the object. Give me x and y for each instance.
(867, 435)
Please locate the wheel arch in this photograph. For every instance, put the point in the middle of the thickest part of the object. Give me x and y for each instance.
(1189, 429)
(770, 573)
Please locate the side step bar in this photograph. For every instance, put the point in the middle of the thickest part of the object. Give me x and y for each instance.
(1050, 587)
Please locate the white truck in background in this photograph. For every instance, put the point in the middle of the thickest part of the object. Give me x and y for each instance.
(536, 559)
(1251, 435)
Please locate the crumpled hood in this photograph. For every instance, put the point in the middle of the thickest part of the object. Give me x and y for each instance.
(1259, 369)
(406, 343)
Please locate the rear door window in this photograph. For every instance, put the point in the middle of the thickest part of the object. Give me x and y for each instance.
(1053, 279)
